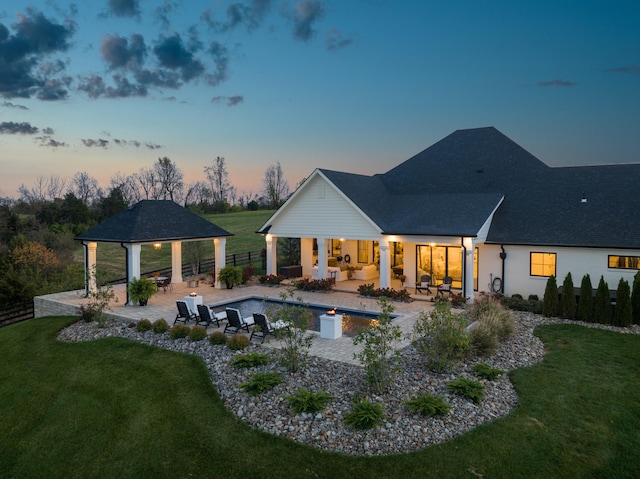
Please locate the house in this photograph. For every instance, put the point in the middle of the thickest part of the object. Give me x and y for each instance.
(474, 206)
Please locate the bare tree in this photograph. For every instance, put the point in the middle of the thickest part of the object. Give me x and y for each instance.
(276, 187)
(45, 189)
(147, 183)
(218, 180)
(169, 178)
(128, 187)
(85, 187)
(55, 186)
(195, 193)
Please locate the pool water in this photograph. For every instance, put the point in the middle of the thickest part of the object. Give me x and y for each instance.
(352, 320)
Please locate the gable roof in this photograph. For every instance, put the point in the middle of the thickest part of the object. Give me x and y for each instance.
(153, 220)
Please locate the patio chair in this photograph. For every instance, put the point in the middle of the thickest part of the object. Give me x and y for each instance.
(264, 327)
(184, 315)
(235, 321)
(445, 287)
(206, 316)
(424, 284)
(165, 284)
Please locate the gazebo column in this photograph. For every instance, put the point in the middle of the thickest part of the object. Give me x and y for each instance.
(306, 255)
(385, 262)
(133, 264)
(323, 247)
(91, 248)
(272, 254)
(176, 261)
(220, 256)
(469, 252)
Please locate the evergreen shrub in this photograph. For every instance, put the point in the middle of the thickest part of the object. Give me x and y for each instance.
(550, 303)
(585, 300)
(143, 325)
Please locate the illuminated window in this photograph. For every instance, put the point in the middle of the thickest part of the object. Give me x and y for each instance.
(363, 251)
(543, 264)
(624, 262)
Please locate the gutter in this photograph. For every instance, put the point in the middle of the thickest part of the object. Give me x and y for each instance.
(126, 265)
(503, 256)
(464, 268)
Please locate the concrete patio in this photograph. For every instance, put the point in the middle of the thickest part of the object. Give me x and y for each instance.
(163, 305)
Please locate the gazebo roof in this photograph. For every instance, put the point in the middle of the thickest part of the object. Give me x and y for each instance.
(153, 220)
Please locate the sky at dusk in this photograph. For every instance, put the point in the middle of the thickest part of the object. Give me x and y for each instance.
(108, 86)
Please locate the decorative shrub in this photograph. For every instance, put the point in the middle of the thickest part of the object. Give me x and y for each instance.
(143, 325)
(160, 326)
(441, 337)
(585, 301)
(366, 289)
(230, 275)
(623, 304)
(88, 313)
(218, 337)
(365, 414)
(517, 303)
(304, 401)
(271, 279)
(484, 371)
(238, 342)
(550, 303)
(468, 388)
(458, 301)
(428, 405)
(306, 284)
(391, 293)
(602, 304)
(198, 333)
(179, 331)
(568, 304)
(248, 272)
(261, 382)
(484, 338)
(250, 360)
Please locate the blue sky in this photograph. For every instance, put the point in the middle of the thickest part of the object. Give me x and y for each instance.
(110, 86)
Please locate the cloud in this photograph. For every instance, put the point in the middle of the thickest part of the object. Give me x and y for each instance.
(8, 104)
(28, 57)
(250, 14)
(136, 144)
(557, 82)
(172, 54)
(47, 141)
(220, 56)
(306, 13)
(118, 52)
(335, 40)
(153, 146)
(124, 8)
(230, 100)
(95, 87)
(90, 143)
(163, 11)
(14, 128)
(632, 69)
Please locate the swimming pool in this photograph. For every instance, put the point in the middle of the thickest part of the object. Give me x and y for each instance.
(352, 319)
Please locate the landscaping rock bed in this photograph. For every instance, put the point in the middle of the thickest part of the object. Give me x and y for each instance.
(402, 430)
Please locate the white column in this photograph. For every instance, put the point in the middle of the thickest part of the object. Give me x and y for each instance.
(220, 256)
(133, 263)
(176, 262)
(385, 264)
(272, 254)
(469, 252)
(323, 246)
(306, 255)
(91, 251)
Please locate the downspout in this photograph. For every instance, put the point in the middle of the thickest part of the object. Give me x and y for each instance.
(503, 256)
(85, 247)
(464, 267)
(126, 266)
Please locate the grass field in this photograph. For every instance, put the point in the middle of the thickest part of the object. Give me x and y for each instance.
(113, 408)
(243, 225)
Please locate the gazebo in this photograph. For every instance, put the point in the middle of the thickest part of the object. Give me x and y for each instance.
(151, 222)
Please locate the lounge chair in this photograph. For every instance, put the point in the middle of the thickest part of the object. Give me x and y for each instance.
(445, 287)
(264, 327)
(235, 321)
(206, 316)
(184, 315)
(424, 284)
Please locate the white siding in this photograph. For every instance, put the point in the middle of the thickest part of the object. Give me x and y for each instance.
(321, 211)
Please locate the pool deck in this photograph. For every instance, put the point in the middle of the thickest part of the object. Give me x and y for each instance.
(163, 305)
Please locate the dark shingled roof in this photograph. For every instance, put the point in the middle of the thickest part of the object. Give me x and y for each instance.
(451, 188)
(153, 220)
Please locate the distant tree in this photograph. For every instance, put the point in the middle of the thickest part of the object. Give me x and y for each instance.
(568, 303)
(635, 299)
(623, 304)
(85, 187)
(169, 178)
(218, 178)
(195, 193)
(602, 304)
(585, 301)
(276, 188)
(74, 211)
(550, 303)
(111, 204)
(127, 186)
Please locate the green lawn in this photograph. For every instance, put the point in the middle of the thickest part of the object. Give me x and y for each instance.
(113, 408)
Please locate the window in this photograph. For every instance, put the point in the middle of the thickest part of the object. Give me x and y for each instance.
(624, 262)
(363, 251)
(543, 264)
